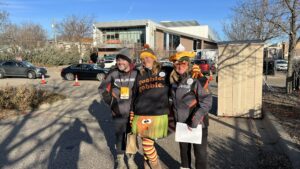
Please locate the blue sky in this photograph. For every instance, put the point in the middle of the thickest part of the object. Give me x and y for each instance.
(44, 12)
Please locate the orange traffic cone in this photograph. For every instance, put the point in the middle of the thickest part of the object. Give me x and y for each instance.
(43, 81)
(210, 76)
(76, 82)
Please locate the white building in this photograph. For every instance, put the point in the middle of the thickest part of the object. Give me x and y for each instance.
(110, 37)
(191, 27)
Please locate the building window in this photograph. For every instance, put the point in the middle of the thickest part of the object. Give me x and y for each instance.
(165, 41)
(174, 41)
(124, 35)
(197, 44)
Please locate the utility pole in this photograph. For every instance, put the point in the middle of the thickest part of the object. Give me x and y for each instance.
(54, 31)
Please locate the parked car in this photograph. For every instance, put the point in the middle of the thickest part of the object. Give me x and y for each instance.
(84, 71)
(166, 63)
(203, 64)
(281, 65)
(14, 68)
(212, 65)
(109, 63)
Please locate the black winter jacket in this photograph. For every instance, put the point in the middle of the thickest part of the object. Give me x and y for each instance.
(110, 91)
(191, 102)
(151, 93)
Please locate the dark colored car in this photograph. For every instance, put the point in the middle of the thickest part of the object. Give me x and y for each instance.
(84, 71)
(14, 68)
(166, 63)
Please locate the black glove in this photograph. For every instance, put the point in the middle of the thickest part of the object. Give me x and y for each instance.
(192, 124)
(107, 98)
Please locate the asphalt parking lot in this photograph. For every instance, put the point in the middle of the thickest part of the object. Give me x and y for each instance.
(77, 133)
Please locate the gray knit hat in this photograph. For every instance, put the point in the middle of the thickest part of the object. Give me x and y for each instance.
(124, 54)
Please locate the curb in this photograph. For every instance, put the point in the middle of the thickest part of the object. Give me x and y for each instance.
(283, 139)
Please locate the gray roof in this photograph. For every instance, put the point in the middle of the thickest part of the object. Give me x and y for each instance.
(185, 34)
(129, 23)
(179, 23)
(241, 42)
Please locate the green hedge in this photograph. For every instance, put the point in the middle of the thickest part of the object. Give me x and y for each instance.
(47, 56)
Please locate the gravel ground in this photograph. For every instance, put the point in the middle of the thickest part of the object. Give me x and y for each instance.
(286, 108)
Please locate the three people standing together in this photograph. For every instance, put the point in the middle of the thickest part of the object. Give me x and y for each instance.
(147, 106)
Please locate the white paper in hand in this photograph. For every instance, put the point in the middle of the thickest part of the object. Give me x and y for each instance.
(183, 134)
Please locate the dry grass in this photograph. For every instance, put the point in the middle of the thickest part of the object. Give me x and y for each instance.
(286, 108)
(15, 100)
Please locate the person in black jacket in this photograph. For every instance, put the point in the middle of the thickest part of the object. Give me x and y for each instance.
(151, 105)
(191, 103)
(116, 91)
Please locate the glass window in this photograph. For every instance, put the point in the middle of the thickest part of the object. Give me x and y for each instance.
(28, 64)
(78, 66)
(86, 67)
(9, 64)
(176, 41)
(165, 40)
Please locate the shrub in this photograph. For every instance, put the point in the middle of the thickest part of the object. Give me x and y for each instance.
(22, 98)
(47, 56)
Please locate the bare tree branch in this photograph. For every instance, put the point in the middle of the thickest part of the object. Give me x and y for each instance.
(266, 16)
(287, 3)
(250, 21)
(74, 28)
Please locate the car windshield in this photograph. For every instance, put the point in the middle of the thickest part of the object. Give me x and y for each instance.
(282, 62)
(28, 64)
(200, 61)
(109, 61)
(97, 67)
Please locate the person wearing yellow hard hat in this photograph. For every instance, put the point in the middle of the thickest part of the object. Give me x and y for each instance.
(191, 103)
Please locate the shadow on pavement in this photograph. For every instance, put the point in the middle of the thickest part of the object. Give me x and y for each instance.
(166, 158)
(102, 114)
(214, 108)
(232, 144)
(65, 152)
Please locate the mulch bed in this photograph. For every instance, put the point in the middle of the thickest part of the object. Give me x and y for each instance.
(286, 108)
(45, 98)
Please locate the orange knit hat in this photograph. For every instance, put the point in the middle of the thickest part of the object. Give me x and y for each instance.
(147, 52)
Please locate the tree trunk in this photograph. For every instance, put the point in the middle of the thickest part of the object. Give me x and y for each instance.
(292, 49)
(292, 52)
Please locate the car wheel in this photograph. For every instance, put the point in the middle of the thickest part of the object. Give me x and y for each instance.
(100, 76)
(31, 75)
(69, 76)
(1, 75)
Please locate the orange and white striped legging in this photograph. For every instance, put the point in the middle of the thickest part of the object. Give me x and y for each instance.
(149, 150)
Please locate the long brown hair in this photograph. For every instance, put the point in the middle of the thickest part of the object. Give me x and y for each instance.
(155, 68)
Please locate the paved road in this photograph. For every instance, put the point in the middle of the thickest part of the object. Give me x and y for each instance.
(77, 133)
(277, 80)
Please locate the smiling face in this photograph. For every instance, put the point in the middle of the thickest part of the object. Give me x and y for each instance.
(123, 65)
(181, 67)
(148, 62)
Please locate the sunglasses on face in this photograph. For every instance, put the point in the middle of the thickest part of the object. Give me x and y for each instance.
(183, 63)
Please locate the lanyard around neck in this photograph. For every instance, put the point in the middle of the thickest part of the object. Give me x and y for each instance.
(124, 79)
